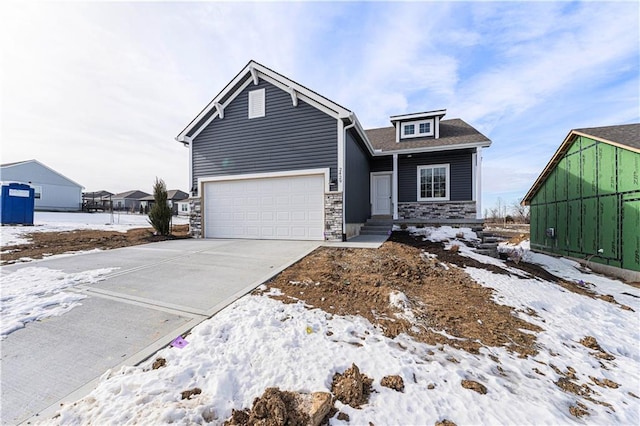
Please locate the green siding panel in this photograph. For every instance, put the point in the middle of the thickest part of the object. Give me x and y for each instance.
(575, 146)
(562, 236)
(589, 181)
(574, 234)
(534, 227)
(628, 170)
(561, 180)
(608, 225)
(631, 235)
(573, 178)
(552, 222)
(606, 169)
(590, 226)
(550, 188)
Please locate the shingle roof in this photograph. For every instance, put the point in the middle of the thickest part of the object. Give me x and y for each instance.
(625, 134)
(135, 194)
(176, 195)
(452, 132)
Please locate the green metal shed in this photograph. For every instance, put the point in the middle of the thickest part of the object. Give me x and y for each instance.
(586, 202)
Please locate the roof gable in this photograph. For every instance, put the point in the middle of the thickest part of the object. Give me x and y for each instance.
(27, 163)
(134, 194)
(251, 74)
(626, 136)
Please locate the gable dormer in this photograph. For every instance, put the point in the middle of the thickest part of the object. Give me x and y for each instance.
(418, 125)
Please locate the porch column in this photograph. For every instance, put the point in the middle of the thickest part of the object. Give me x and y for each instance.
(394, 187)
(478, 186)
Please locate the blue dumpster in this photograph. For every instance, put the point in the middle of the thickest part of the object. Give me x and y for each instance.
(17, 203)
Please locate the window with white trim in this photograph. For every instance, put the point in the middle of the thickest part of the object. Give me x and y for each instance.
(415, 129)
(257, 103)
(433, 182)
(184, 207)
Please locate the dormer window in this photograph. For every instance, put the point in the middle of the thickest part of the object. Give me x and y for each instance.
(416, 129)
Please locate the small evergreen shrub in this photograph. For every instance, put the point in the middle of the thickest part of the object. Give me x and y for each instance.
(160, 213)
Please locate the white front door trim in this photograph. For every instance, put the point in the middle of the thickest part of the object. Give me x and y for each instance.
(386, 208)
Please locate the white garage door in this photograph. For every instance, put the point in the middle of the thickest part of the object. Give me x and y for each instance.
(282, 208)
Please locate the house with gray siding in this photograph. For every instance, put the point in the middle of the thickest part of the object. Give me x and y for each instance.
(272, 159)
(129, 200)
(53, 190)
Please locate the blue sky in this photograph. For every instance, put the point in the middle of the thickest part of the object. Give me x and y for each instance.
(98, 91)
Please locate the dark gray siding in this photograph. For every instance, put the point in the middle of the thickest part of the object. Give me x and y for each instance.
(287, 138)
(460, 171)
(357, 182)
(382, 164)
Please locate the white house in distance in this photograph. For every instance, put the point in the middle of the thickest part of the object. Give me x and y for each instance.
(53, 191)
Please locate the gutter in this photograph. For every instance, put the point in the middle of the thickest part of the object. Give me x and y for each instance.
(351, 117)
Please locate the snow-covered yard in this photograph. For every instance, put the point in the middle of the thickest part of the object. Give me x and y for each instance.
(60, 222)
(258, 342)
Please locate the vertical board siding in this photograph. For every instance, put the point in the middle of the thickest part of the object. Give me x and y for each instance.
(287, 138)
(591, 199)
(357, 182)
(460, 171)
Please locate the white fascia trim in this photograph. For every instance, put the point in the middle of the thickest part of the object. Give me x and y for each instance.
(254, 75)
(214, 115)
(313, 101)
(241, 75)
(362, 133)
(294, 96)
(434, 149)
(418, 115)
(287, 173)
(219, 109)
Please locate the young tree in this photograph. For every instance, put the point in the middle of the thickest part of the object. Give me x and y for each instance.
(160, 213)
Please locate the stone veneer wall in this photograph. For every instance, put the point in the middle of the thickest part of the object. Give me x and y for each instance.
(333, 216)
(437, 210)
(195, 217)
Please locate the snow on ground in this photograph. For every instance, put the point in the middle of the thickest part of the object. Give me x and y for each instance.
(34, 293)
(258, 342)
(60, 222)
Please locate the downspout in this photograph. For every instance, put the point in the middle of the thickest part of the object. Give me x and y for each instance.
(344, 186)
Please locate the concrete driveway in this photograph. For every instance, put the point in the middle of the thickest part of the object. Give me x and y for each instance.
(159, 291)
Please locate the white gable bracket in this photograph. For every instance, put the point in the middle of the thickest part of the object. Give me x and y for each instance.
(254, 75)
(220, 109)
(294, 96)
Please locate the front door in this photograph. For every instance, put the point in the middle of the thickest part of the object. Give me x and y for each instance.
(380, 194)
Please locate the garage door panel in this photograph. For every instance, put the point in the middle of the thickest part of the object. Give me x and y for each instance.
(269, 208)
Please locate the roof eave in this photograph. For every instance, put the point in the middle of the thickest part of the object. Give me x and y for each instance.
(483, 144)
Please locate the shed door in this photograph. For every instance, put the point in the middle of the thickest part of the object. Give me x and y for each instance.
(279, 208)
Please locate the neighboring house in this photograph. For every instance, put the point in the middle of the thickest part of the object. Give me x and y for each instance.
(586, 202)
(184, 207)
(173, 197)
(53, 191)
(129, 200)
(272, 159)
(96, 200)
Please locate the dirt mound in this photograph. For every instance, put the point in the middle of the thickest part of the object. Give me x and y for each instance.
(591, 343)
(273, 408)
(45, 244)
(351, 387)
(474, 386)
(393, 382)
(440, 297)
